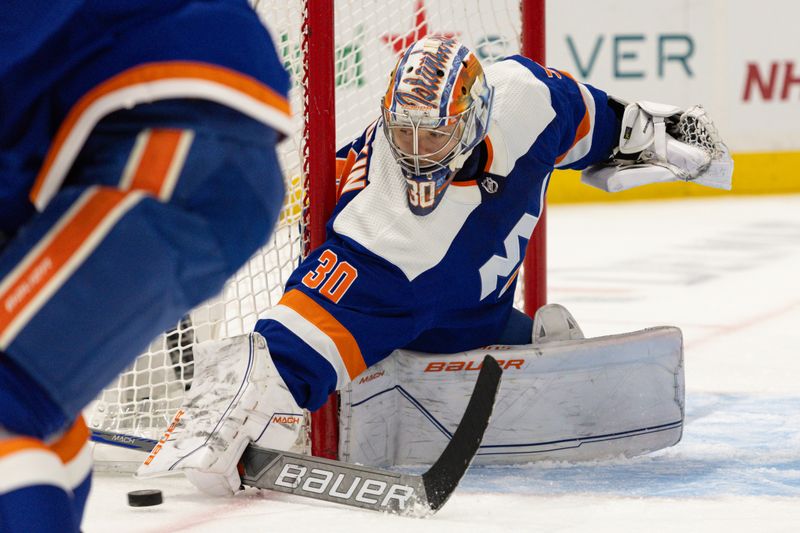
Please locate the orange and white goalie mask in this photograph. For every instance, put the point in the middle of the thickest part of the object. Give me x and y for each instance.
(435, 112)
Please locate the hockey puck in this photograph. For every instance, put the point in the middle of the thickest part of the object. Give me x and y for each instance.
(145, 498)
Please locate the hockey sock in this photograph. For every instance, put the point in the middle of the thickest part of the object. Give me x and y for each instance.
(25, 408)
(34, 492)
(74, 451)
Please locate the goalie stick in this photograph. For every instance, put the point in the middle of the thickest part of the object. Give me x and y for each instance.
(361, 486)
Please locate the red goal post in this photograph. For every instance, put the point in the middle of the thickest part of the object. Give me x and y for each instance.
(320, 116)
(340, 54)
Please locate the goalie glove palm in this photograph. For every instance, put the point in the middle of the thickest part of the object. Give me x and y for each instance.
(660, 143)
(236, 397)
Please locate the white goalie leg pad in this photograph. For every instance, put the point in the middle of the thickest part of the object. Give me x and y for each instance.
(672, 145)
(570, 400)
(237, 397)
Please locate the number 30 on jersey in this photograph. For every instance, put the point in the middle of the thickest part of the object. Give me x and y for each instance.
(332, 277)
(421, 193)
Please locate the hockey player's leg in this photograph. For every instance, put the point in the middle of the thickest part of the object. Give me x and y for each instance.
(45, 474)
(237, 397)
(517, 330)
(75, 452)
(102, 270)
(34, 492)
(563, 398)
(107, 266)
(43, 484)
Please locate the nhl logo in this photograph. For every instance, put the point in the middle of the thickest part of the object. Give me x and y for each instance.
(490, 185)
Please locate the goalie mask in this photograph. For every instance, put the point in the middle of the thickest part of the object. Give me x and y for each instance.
(435, 112)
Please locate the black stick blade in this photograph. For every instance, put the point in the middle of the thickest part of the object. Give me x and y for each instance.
(443, 477)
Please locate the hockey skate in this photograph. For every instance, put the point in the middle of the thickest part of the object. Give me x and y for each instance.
(553, 322)
(237, 397)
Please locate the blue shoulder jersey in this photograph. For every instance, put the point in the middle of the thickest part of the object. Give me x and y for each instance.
(388, 279)
(65, 65)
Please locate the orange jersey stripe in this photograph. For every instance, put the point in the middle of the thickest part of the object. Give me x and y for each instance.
(16, 444)
(345, 342)
(71, 442)
(155, 165)
(41, 268)
(584, 127)
(510, 280)
(149, 73)
(27, 462)
(489, 154)
(343, 168)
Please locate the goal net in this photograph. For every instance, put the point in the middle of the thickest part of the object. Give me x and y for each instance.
(361, 50)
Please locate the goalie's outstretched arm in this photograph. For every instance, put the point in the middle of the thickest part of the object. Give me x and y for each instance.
(581, 123)
(618, 144)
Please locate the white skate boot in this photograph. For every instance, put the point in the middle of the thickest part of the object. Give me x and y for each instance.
(553, 322)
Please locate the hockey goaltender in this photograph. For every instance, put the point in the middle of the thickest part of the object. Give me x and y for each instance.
(437, 199)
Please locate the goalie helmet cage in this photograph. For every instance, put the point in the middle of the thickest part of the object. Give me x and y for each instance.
(340, 55)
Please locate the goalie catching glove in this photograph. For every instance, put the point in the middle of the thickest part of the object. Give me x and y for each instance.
(237, 397)
(661, 143)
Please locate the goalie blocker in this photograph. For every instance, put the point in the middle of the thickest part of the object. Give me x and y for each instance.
(570, 400)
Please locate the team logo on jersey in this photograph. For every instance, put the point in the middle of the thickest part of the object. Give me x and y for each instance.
(507, 266)
(490, 185)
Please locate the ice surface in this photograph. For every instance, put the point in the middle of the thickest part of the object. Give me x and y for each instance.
(723, 270)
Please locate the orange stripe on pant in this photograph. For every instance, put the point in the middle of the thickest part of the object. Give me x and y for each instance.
(156, 161)
(345, 342)
(24, 284)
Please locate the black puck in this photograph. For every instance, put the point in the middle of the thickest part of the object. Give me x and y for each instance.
(145, 498)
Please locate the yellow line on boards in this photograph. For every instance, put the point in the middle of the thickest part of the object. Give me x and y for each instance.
(754, 173)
